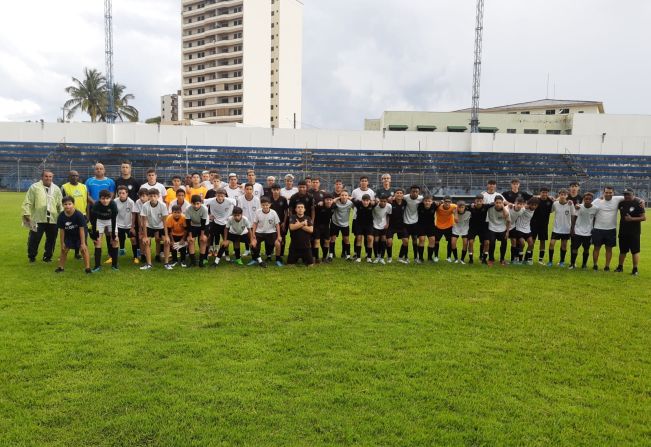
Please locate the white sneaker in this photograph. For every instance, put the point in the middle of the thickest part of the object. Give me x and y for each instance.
(456, 261)
(436, 259)
(376, 260)
(403, 260)
(358, 259)
(461, 261)
(382, 261)
(389, 261)
(146, 267)
(418, 261)
(227, 258)
(246, 253)
(169, 267)
(347, 258)
(369, 260)
(217, 261)
(449, 259)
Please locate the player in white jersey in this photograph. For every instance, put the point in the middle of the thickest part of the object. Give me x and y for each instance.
(340, 224)
(381, 214)
(563, 211)
(460, 229)
(125, 220)
(516, 210)
(266, 229)
(152, 182)
(499, 222)
(522, 230)
(236, 230)
(233, 190)
(490, 193)
(180, 201)
(289, 190)
(410, 217)
(249, 204)
(220, 209)
(582, 225)
(605, 226)
(258, 189)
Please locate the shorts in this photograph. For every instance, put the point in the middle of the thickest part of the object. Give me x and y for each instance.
(195, 231)
(412, 229)
(321, 232)
(540, 232)
(236, 239)
(269, 240)
(560, 236)
(102, 225)
(497, 236)
(581, 241)
(379, 233)
(73, 244)
(217, 232)
(363, 230)
(629, 243)
(155, 232)
(443, 233)
(428, 230)
(124, 233)
(515, 234)
(463, 236)
(336, 229)
(300, 253)
(401, 232)
(477, 232)
(604, 237)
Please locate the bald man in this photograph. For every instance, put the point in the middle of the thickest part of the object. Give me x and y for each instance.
(99, 183)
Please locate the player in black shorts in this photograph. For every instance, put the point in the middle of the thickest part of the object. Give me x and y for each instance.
(540, 222)
(478, 227)
(281, 206)
(364, 228)
(301, 229)
(426, 229)
(321, 235)
(397, 226)
(632, 213)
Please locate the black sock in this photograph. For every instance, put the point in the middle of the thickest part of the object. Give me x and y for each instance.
(403, 252)
(98, 256)
(193, 260)
(376, 248)
(237, 252)
(421, 253)
(383, 247)
(455, 253)
(358, 251)
(502, 251)
(471, 256)
(551, 255)
(563, 254)
(436, 250)
(114, 257)
(430, 252)
(463, 255)
(369, 251)
(390, 251)
(449, 249)
(573, 258)
(326, 250)
(586, 255)
(346, 250)
(541, 255)
(528, 256)
(315, 253)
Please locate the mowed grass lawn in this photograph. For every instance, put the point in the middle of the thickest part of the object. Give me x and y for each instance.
(342, 354)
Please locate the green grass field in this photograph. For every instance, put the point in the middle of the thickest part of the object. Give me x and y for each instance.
(336, 355)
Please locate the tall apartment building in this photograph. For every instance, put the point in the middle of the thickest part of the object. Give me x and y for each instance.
(171, 107)
(242, 61)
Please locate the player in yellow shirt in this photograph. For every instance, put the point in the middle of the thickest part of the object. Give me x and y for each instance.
(171, 192)
(176, 232)
(197, 189)
(444, 224)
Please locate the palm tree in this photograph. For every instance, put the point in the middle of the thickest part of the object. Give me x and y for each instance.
(87, 95)
(123, 110)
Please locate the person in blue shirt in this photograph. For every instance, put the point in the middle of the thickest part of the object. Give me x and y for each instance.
(99, 183)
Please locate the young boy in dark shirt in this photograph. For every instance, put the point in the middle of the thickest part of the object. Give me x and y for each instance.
(427, 229)
(321, 235)
(103, 218)
(301, 229)
(72, 233)
(364, 228)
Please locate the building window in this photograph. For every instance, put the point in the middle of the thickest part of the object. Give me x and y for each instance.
(553, 132)
(530, 131)
(550, 112)
(510, 131)
(564, 111)
(201, 103)
(524, 113)
(223, 100)
(201, 115)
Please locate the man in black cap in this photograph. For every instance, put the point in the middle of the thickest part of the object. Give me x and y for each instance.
(631, 213)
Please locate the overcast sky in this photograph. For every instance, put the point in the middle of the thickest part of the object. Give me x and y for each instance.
(361, 57)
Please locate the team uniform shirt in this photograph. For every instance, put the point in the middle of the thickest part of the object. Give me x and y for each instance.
(280, 206)
(176, 227)
(70, 226)
(137, 207)
(381, 216)
(104, 216)
(288, 193)
(317, 196)
(606, 219)
(170, 195)
(397, 215)
(305, 200)
(220, 212)
(576, 200)
(385, 193)
(633, 209)
(523, 222)
(478, 222)
(511, 196)
(234, 193)
(364, 215)
(489, 198)
(562, 217)
(133, 186)
(249, 207)
(184, 206)
(585, 220)
(341, 214)
(125, 213)
(199, 191)
(161, 189)
(197, 217)
(207, 184)
(95, 185)
(356, 196)
(258, 190)
(426, 216)
(266, 222)
(238, 228)
(323, 215)
(79, 194)
(301, 239)
(515, 215)
(411, 209)
(462, 227)
(445, 218)
(541, 215)
(155, 215)
(496, 220)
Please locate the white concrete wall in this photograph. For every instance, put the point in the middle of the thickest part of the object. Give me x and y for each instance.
(256, 68)
(143, 134)
(290, 66)
(613, 125)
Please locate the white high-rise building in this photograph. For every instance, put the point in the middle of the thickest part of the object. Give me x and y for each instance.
(242, 61)
(171, 107)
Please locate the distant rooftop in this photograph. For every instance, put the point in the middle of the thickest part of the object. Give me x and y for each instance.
(542, 104)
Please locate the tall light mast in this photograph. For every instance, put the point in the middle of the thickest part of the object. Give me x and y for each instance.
(476, 78)
(108, 56)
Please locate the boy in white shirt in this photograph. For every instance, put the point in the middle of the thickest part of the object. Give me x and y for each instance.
(563, 212)
(582, 224)
(266, 228)
(237, 229)
(153, 216)
(125, 221)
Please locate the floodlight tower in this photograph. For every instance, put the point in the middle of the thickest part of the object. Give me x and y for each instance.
(108, 56)
(476, 79)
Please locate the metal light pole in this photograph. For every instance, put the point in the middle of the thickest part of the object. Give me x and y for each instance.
(476, 79)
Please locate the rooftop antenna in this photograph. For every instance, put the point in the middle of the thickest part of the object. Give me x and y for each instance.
(476, 79)
(108, 55)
